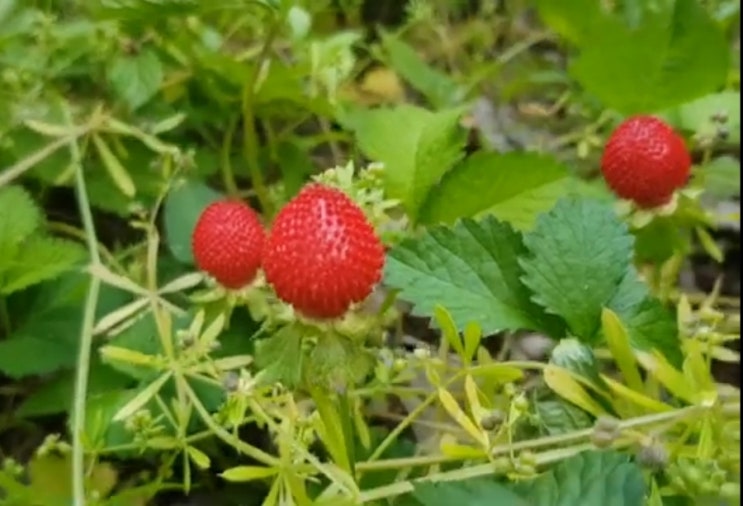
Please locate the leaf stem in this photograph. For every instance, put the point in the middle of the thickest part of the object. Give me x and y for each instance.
(251, 451)
(86, 331)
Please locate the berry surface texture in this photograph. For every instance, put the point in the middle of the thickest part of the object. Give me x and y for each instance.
(322, 254)
(645, 161)
(227, 243)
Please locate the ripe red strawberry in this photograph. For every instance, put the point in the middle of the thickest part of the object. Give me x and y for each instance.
(227, 243)
(645, 161)
(322, 254)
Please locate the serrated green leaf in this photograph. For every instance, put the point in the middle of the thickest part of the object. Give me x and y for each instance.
(136, 79)
(56, 396)
(32, 355)
(19, 218)
(556, 416)
(515, 187)
(473, 492)
(675, 54)
(183, 206)
(336, 363)
(437, 87)
(416, 146)
(439, 148)
(590, 478)
(281, 357)
(472, 270)
(650, 325)
(39, 259)
(580, 252)
(659, 240)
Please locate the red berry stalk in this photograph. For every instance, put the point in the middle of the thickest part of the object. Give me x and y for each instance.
(322, 254)
(645, 161)
(227, 243)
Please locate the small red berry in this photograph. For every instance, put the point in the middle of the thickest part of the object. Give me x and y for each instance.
(645, 161)
(322, 254)
(227, 243)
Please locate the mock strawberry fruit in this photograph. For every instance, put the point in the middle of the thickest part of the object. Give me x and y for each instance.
(322, 254)
(227, 243)
(645, 161)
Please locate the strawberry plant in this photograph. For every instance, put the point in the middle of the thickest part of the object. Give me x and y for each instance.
(386, 253)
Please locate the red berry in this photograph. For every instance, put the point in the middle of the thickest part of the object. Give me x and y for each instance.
(645, 161)
(227, 243)
(322, 254)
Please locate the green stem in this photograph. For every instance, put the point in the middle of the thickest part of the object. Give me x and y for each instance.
(545, 457)
(251, 451)
(250, 136)
(86, 332)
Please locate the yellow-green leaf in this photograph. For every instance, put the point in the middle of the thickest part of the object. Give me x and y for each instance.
(472, 336)
(671, 378)
(125, 355)
(248, 473)
(448, 328)
(452, 407)
(563, 384)
(198, 457)
(142, 398)
(114, 167)
(637, 398)
(617, 339)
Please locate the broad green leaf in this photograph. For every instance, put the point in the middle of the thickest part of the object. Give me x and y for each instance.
(437, 87)
(439, 148)
(580, 252)
(182, 209)
(39, 259)
(696, 115)
(515, 187)
(19, 218)
(721, 177)
(591, 478)
(659, 240)
(556, 416)
(650, 325)
(416, 146)
(30, 355)
(136, 79)
(472, 270)
(281, 357)
(574, 20)
(472, 492)
(56, 395)
(336, 363)
(675, 54)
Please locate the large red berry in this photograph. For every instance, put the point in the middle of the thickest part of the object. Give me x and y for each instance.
(227, 243)
(645, 161)
(322, 254)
